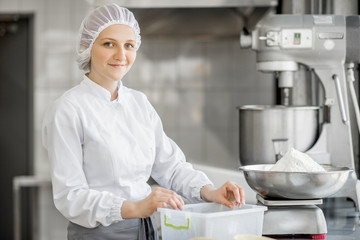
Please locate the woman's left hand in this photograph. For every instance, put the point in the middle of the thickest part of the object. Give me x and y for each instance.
(226, 194)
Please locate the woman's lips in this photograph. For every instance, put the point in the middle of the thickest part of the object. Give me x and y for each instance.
(117, 65)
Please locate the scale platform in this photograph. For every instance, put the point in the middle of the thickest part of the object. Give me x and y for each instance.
(293, 217)
(288, 202)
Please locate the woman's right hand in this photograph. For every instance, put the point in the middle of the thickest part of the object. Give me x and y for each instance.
(159, 198)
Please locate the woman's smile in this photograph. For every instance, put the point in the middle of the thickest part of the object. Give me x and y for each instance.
(117, 65)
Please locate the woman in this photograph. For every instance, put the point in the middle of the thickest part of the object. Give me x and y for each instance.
(105, 141)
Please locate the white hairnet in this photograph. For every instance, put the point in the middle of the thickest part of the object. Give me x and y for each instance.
(96, 21)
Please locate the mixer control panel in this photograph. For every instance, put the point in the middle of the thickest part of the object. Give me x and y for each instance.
(289, 38)
(296, 38)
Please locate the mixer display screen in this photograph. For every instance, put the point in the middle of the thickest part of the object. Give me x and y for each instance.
(297, 38)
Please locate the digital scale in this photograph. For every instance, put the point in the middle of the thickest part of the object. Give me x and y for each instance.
(293, 217)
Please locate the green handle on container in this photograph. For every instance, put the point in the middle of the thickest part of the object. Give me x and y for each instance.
(177, 227)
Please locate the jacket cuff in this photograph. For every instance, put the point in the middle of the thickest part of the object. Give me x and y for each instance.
(196, 191)
(115, 212)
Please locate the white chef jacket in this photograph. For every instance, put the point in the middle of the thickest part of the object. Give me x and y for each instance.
(103, 152)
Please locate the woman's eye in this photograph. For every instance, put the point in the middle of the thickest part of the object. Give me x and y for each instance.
(109, 44)
(129, 45)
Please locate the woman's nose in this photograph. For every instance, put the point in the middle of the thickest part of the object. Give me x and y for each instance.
(120, 53)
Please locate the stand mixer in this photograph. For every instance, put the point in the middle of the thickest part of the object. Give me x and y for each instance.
(323, 44)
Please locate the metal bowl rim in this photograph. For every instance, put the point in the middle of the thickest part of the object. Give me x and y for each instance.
(336, 170)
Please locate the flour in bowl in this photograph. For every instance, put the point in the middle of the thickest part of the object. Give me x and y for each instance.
(296, 161)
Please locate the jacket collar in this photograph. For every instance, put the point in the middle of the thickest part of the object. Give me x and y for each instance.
(101, 91)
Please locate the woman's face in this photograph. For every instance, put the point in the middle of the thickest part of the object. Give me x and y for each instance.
(112, 54)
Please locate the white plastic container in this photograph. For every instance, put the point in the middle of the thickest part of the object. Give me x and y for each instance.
(211, 220)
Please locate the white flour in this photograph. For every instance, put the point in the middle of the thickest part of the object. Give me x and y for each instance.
(296, 161)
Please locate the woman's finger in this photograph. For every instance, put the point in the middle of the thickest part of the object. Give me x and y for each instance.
(239, 194)
(230, 191)
(164, 190)
(179, 202)
(227, 203)
(242, 195)
(175, 201)
(172, 203)
(235, 192)
(169, 197)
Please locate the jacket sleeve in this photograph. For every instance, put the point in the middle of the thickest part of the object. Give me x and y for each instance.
(170, 169)
(63, 137)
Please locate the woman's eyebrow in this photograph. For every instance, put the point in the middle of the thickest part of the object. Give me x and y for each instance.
(107, 38)
(113, 39)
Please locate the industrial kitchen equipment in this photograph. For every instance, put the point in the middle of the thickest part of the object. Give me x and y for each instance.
(328, 46)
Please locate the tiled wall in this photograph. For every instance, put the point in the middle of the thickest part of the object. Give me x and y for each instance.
(195, 87)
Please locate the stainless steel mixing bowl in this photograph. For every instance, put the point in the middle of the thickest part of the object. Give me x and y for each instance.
(295, 185)
(262, 126)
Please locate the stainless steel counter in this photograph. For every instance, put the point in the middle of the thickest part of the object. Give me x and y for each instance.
(342, 220)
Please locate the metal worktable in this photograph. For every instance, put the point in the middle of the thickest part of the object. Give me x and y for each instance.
(342, 220)
(33, 182)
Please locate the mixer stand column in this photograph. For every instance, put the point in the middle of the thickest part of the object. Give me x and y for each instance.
(286, 83)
